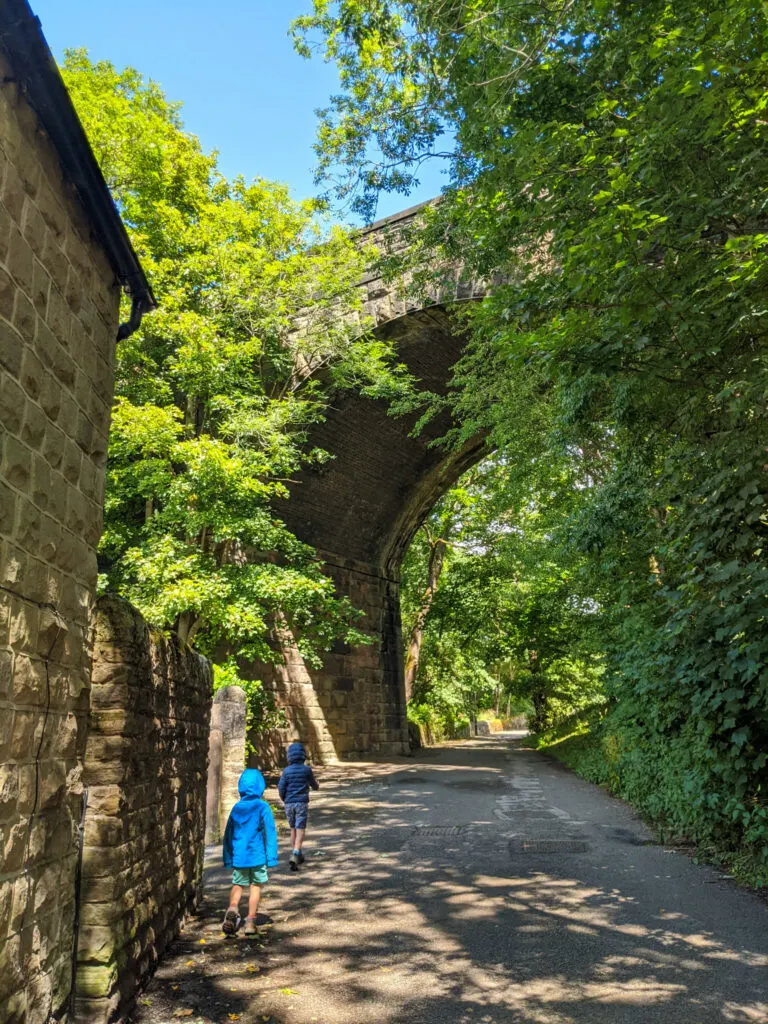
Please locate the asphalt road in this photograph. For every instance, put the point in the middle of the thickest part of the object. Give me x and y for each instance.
(480, 883)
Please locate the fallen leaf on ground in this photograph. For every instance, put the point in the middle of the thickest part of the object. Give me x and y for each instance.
(386, 969)
(202, 942)
(190, 963)
(253, 968)
(234, 1016)
(183, 1013)
(288, 992)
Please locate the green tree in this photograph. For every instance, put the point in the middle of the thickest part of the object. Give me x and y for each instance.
(258, 322)
(509, 616)
(609, 160)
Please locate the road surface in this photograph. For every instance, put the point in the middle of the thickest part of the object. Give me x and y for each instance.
(479, 883)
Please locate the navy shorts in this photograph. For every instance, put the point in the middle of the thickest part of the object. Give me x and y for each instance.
(297, 815)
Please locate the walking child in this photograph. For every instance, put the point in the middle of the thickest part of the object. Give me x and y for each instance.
(293, 787)
(250, 847)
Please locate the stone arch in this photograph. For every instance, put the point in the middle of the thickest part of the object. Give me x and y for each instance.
(360, 511)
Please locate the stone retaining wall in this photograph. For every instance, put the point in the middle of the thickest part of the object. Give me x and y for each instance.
(58, 319)
(145, 770)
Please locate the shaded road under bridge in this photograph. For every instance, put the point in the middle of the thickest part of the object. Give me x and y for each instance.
(481, 882)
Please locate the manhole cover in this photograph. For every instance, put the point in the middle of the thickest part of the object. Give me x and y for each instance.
(548, 846)
(438, 830)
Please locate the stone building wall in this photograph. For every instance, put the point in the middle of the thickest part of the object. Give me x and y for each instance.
(58, 320)
(145, 771)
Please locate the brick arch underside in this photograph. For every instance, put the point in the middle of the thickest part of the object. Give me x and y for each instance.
(360, 511)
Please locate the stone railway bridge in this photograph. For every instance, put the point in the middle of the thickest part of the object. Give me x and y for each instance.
(361, 510)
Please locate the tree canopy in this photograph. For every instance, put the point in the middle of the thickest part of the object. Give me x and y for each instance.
(608, 160)
(216, 392)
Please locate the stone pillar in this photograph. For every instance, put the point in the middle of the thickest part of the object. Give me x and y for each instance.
(361, 690)
(226, 758)
(354, 705)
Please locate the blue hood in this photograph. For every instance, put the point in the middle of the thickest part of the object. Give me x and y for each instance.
(296, 753)
(251, 783)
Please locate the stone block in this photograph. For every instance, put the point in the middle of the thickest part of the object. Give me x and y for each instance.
(11, 349)
(33, 430)
(96, 944)
(9, 788)
(24, 316)
(13, 564)
(41, 288)
(7, 509)
(73, 457)
(20, 261)
(27, 530)
(24, 624)
(96, 982)
(14, 847)
(14, 1009)
(54, 446)
(36, 581)
(29, 681)
(16, 464)
(7, 295)
(11, 966)
(27, 730)
(6, 660)
(53, 779)
(12, 403)
(5, 233)
(54, 259)
(52, 211)
(50, 396)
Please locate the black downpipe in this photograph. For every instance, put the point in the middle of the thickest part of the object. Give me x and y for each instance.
(139, 307)
(78, 886)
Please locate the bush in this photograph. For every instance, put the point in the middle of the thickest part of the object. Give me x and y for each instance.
(436, 725)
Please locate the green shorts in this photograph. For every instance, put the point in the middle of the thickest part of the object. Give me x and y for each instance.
(250, 876)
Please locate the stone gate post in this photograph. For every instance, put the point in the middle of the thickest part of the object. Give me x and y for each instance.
(226, 758)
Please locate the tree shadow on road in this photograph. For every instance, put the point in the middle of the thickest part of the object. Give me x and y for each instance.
(395, 924)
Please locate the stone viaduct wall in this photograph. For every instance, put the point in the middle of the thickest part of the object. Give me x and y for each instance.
(145, 766)
(58, 320)
(361, 509)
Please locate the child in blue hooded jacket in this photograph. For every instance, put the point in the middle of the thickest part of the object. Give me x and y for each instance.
(250, 847)
(293, 787)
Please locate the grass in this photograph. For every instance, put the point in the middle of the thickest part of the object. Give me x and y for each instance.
(578, 744)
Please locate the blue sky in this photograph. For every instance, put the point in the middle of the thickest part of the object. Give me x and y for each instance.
(245, 92)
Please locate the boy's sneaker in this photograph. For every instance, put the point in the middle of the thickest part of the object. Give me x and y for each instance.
(250, 926)
(231, 922)
(302, 858)
(293, 863)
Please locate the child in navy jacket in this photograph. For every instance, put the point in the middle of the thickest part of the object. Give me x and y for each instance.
(293, 787)
(250, 847)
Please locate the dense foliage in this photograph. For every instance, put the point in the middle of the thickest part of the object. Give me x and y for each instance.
(609, 159)
(216, 392)
(509, 626)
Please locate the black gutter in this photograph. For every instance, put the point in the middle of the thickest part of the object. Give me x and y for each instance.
(23, 44)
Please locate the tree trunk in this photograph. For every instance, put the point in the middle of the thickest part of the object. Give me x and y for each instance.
(413, 655)
(538, 694)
